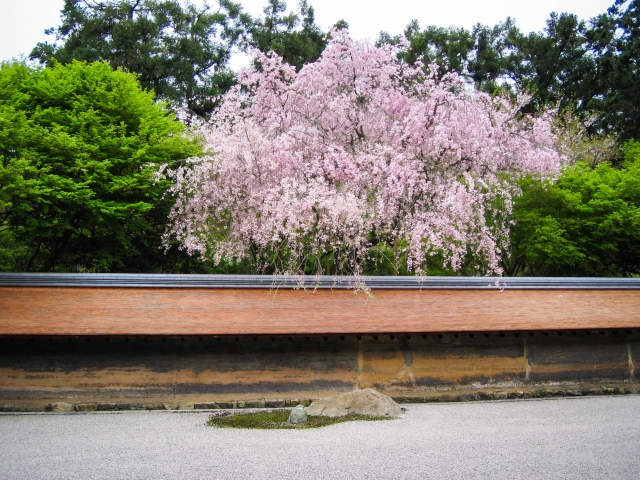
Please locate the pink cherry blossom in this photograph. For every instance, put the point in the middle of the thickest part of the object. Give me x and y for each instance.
(355, 149)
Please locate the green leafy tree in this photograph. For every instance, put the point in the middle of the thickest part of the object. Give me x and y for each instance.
(552, 65)
(482, 55)
(494, 60)
(587, 223)
(79, 145)
(615, 39)
(556, 65)
(451, 48)
(293, 36)
(591, 68)
(179, 52)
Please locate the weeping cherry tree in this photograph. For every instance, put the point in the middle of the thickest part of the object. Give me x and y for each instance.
(309, 171)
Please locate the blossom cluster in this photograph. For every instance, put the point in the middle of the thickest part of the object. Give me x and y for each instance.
(355, 149)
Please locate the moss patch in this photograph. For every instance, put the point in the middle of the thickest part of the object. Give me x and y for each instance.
(276, 420)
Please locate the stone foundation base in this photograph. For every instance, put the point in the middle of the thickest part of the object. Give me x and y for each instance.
(454, 395)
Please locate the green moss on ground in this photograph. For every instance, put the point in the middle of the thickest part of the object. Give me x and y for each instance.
(278, 420)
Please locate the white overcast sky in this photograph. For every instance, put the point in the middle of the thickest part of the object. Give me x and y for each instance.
(22, 23)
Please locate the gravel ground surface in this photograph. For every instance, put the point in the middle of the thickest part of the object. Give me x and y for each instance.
(542, 439)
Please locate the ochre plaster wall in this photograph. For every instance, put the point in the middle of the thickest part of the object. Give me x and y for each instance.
(193, 311)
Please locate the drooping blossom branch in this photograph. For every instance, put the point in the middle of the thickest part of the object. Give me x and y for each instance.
(356, 149)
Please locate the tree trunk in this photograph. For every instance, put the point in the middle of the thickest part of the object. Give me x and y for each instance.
(395, 256)
(33, 257)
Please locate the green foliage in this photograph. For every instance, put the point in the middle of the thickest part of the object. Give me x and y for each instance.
(79, 142)
(556, 65)
(451, 48)
(483, 55)
(587, 67)
(387, 259)
(615, 37)
(552, 65)
(587, 223)
(79, 145)
(578, 144)
(179, 52)
(295, 37)
(278, 420)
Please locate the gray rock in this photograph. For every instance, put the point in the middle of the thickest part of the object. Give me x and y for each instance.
(206, 406)
(494, 395)
(60, 407)
(363, 402)
(298, 415)
(13, 408)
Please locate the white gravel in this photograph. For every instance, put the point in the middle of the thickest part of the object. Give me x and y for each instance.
(556, 438)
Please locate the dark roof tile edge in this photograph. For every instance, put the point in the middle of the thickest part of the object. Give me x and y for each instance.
(324, 282)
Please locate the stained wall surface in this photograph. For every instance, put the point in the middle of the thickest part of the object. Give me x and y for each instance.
(191, 345)
(208, 368)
